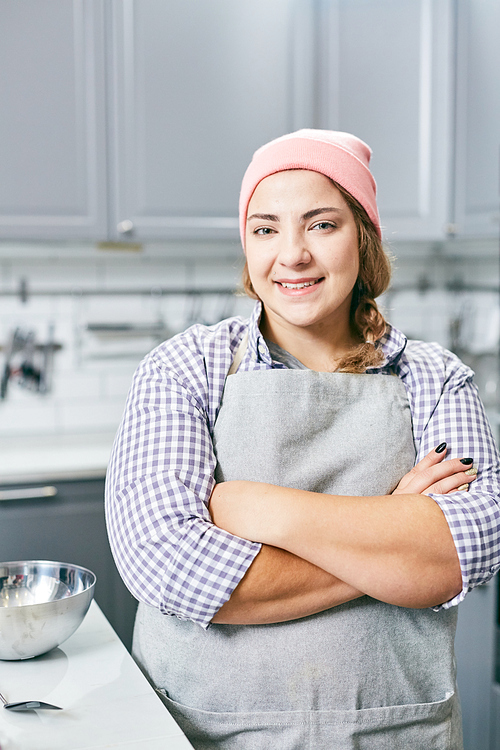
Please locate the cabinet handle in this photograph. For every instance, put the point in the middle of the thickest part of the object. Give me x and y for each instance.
(28, 493)
(125, 226)
(451, 229)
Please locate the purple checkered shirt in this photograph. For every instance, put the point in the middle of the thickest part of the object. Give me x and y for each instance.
(161, 472)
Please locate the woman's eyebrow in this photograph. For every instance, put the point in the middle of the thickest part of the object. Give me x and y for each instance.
(317, 211)
(307, 215)
(265, 217)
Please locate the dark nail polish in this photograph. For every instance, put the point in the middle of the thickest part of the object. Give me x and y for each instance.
(466, 461)
(440, 447)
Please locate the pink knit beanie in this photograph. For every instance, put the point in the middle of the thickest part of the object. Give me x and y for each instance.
(340, 156)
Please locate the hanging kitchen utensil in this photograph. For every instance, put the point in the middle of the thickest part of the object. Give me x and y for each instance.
(15, 345)
(28, 363)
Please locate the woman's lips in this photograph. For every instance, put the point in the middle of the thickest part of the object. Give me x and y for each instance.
(297, 287)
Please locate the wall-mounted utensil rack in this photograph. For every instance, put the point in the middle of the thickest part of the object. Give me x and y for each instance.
(24, 292)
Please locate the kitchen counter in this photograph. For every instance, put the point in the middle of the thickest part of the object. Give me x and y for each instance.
(54, 458)
(107, 701)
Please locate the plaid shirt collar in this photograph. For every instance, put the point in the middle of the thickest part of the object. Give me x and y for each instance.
(393, 342)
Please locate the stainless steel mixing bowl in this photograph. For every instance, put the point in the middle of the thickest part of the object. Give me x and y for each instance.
(42, 603)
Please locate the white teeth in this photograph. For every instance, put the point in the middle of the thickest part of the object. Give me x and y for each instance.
(298, 286)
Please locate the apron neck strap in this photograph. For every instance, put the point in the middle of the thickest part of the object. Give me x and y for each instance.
(239, 354)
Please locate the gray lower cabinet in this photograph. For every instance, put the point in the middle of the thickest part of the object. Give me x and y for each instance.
(69, 527)
(495, 716)
(475, 652)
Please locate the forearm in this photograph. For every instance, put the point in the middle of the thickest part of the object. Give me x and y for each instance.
(280, 586)
(397, 549)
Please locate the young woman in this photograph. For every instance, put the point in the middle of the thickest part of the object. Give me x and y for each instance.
(278, 497)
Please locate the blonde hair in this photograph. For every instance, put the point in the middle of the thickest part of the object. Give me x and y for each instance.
(367, 322)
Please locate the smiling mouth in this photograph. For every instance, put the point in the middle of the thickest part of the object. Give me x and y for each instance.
(300, 285)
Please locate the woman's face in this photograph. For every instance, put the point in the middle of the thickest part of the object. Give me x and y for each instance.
(302, 253)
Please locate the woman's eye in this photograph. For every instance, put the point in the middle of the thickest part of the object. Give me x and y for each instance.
(263, 230)
(324, 225)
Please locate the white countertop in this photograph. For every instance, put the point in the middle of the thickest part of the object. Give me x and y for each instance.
(107, 701)
(54, 457)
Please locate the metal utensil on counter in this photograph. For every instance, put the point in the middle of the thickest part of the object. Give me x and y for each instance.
(27, 705)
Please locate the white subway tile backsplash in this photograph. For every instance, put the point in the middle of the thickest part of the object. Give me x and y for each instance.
(93, 372)
(216, 274)
(55, 275)
(91, 415)
(420, 315)
(242, 305)
(77, 386)
(124, 308)
(34, 416)
(117, 385)
(142, 273)
(35, 309)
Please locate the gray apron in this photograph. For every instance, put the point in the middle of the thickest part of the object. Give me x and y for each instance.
(364, 675)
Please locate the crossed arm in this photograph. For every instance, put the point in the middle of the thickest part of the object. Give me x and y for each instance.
(323, 550)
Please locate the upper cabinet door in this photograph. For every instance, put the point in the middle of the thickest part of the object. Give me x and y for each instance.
(387, 76)
(52, 126)
(135, 119)
(198, 87)
(478, 118)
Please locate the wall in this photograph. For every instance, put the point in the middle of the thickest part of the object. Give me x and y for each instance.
(449, 292)
(72, 287)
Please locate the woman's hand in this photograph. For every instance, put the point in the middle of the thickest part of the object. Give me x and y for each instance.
(432, 474)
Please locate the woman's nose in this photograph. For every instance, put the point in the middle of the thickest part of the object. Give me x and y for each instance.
(293, 250)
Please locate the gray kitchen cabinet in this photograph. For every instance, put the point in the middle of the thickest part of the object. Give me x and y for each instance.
(135, 119)
(143, 115)
(387, 75)
(495, 688)
(52, 123)
(68, 527)
(198, 87)
(478, 119)
(475, 652)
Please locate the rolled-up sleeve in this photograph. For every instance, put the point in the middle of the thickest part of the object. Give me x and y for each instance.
(473, 516)
(159, 482)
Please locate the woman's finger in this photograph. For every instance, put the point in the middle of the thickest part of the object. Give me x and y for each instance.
(456, 483)
(422, 480)
(433, 457)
